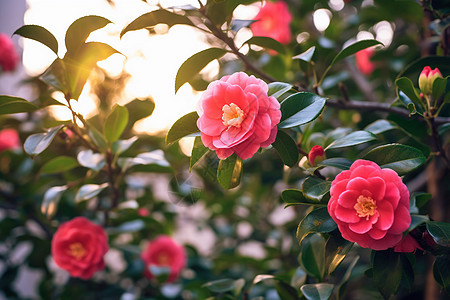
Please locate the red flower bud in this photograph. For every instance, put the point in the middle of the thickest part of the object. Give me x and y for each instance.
(363, 62)
(8, 54)
(427, 78)
(316, 153)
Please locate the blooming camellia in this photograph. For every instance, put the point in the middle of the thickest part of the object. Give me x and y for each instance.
(237, 116)
(164, 252)
(78, 246)
(370, 205)
(363, 62)
(427, 78)
(273, 21)
(9, 139)
(8, 54)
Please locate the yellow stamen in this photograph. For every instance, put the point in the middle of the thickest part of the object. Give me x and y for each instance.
(77, 250)
(365, 207)
(232, 115)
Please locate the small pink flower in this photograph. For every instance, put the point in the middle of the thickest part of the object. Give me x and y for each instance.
(8, 54)
(237, 116)
(363, 62)
(273, 21)
(9, 140)
(370, 205)
(427, 78)
(316, 153)
(164, 252)
(143, 212)
(407, 244)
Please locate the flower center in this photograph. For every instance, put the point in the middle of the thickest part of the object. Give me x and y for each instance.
(365, 207)
(232, 115)
(77, 250)
(163, 259)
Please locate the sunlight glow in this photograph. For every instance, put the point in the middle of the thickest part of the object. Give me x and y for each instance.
(322, 18)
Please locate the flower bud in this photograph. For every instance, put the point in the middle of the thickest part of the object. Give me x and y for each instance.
(316, 155)
(8, 54)
(427, 78)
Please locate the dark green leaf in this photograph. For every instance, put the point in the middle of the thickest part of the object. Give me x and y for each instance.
(406, 86)
(337, 162)
(417, 220)
(91, 160)
(51, 199)
(12, 105)
(115, 123)
(316, 221)
(40, 34)
(97, 137)
(300, 108)
(417, 200)
(295, 197)
(184, 126)
(354, 138)
(409, 104)
(59, 164)
(387, 271)
(343, 284)
(223, 285)
(78, 31)
(139, 109)
(439, 87)
(229, 171)
(156, 17)
(307, 55)
(380, 126)
(194, 64)
(440, 232)
(441, 272)
(441, 62)
(55, 76)
(276, 89)
(285, 291)
(267, 42)
(336, 250)
(89, 191)
(299, 278)
(198, 151)
(317, 291)
(400, 158)
(315, 188)
(312, 256)
(38, 142)
(286, 148)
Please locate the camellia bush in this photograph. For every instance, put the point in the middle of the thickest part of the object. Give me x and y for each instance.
(325, 155)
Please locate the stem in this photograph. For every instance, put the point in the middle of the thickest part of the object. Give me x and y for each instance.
(112, 183)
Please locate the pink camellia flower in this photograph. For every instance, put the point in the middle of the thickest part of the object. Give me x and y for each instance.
(8, 54)
(273, 21)
(363, 62)
(164, 252)
(9, 139)
(370, 205)
(427, 78)
(78, 246)
(407, 244)
(316, 153)
(237, 116)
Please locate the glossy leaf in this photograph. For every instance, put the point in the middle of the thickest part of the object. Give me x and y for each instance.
(155, 157)
(198, 151)
(267, 42)
(79, 30)
(406, 86)
(387, 271)
(316, 221)
(285, 291)
(440, 231)
(439, 87)
(299, 278)
(223, 285)
(184, 126)
(139, 109)
(91, 160)
(121, 146)
(12, 105)
(417, 200)
(55, 76)
(194, 64)
(295, 197)
(38, 142)
(300, 108)
(40, 34)
(239, 24)
(317, 291)
(51, 200)
(315, 188)
(380, 126)
(307, 55)
(59, 164)
(343, 284)
(276, 89)
(409, 104)
(115, 123)
(89, 191)
(336, 162)
(417, 220)
(336, 250)
(229, 172)
(97, 137)
(354, 138)
(156, 17)
(441, 272)
(312, 256)
(400, 158)
(286, 148)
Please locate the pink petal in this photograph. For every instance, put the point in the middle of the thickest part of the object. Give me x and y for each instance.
(365, 171)
(348, 198)
(338, 186)
(235, 94)
(261, 94)
(246, 149)
(271, 139)
(224, 153)
(361, 227)
(377, 187)
(358, 184)
(362, 162)
(210, 126)
(390, 175)
(402, 220)
(389, 241)
(386, 215)
(392, 194)
(346, 215)
(262, 128)
(377, 234)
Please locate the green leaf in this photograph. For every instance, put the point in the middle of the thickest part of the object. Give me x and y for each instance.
(343, 284)
(295, 197)
(285, 291)
(40, 34)
(55, 76)
(387, 271)
(409, 104)
(13, 105)
(224, 285)
(286, 148)
(316, 221)
(406, 88)
(354, 138)
(184, 126)
(307, 55)
(350, 50)
(299, 278)
(115, 123)
(139, 109)
(229, 172)
(97, 137)
(267, 42)
(198, 151)
(336, 250)
(121, 146)
(38, 142)
(59, 164)
(417, 200)
(156, 17)
(440, 232)
(155, 161)
(89, 191)
(91, 160)
(380, 126)
(417, 220)
(312, 256)
(439, 87)
(300, 108)
(317, 291)
(276, 89)
(315, 188)
(337, 162)
(400, 158)
(51, 199)
(79, 30)
(194, 64)
(433, 61)
(441, 272)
